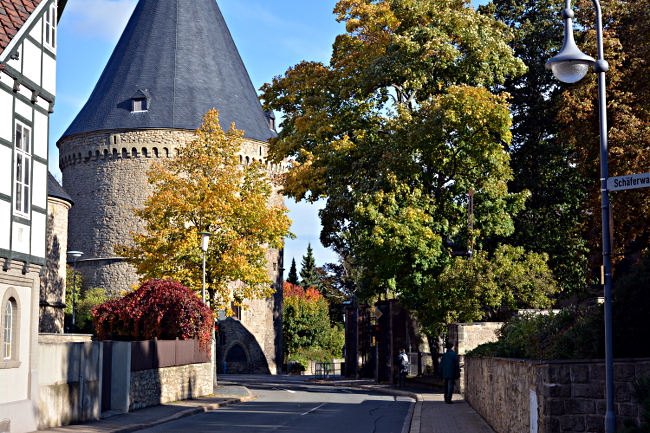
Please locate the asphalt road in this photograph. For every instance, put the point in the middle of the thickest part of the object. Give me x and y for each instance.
(289, 405)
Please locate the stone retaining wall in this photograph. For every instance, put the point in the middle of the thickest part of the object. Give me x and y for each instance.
(516, 396)
(164, 385)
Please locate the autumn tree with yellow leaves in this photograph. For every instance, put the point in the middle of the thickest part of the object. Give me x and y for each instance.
(205, 189)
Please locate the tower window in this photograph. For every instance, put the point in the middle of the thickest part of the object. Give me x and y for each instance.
(22, 169)
(139, 101)
(139, 105)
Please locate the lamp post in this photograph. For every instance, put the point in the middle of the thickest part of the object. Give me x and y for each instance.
(75, 255)
(570, 66)
(205, 240)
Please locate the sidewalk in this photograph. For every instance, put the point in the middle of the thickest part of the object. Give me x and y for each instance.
(118, 422)
(430, 414)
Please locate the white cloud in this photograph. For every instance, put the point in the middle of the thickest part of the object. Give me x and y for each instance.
(103, 19)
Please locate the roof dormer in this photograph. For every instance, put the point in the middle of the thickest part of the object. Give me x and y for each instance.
(139, 101)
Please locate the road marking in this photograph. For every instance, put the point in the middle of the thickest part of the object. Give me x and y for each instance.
(311, 410)
(282, 389)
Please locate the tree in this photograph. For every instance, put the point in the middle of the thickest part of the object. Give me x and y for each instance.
(626, 43)
(309, 277)
(488, 285)
(162, 309)
(293, 274)
(205, 189)
(86, 299)
(396, 131)
(543, 164)
(306, 326)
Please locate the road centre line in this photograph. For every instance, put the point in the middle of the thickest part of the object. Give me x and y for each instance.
(311, 410)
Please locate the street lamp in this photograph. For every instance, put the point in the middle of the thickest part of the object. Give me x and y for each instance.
(205, 240)
(570, 66)
(75, 255)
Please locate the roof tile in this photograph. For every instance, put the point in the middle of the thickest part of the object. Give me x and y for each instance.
(179, 54)
(13, 15)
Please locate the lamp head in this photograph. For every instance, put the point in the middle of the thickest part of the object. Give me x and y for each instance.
(570, 68)
(205, 240)
(570, 65)
(75, 254)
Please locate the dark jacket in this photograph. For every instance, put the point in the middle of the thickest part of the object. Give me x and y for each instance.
(449, 365)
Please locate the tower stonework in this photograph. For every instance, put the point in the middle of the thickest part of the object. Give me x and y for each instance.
(174, 62)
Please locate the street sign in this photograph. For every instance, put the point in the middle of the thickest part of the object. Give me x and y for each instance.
(376, 313)
(630, 181)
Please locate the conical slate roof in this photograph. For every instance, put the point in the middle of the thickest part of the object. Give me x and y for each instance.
(180, 56)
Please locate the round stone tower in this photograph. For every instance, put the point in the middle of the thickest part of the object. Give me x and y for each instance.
(174, 62)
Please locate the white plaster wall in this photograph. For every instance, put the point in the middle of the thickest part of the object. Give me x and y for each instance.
(39, 228)
(20, 238)
(5, 169)
(37, 31)
(49, 74)
(5, 221)
(32, 61)
(16, 64)
(24, 110)
(39, 185)
(6, 114)
(15, 381)
(40, 134)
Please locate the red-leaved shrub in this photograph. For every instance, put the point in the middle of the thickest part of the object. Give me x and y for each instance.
(163, 309)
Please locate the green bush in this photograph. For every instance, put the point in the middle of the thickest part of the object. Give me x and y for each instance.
(573, 333)
(579, 333)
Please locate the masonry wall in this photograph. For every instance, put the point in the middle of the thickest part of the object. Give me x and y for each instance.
(468, 336)
(516, 396)
(164, 385)
(53, 280)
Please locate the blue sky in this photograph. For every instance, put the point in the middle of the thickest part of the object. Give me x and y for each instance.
(270, 36)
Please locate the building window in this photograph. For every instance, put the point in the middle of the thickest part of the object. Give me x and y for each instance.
(236, 310)
(22, 169)
(140, 104)
(8, 326)
(50, 26)
(140, 101)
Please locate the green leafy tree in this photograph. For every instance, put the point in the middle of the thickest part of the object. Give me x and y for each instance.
(204, 188)
(487, 286)
(542, 163)
(86, 299)
(293, 274)
(396, 131)
(306, 326)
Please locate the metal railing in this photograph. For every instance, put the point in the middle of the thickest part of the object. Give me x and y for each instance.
(327, 369)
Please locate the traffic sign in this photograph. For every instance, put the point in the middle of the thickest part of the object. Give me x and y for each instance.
(630, 181)
(376, 313)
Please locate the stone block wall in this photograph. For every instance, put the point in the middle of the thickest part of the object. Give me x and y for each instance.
(52, 294)
(468, 336)
(517, 396)
(164, 385)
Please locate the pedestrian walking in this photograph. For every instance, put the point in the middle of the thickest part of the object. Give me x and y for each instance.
(450, 367)
(403, 366)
